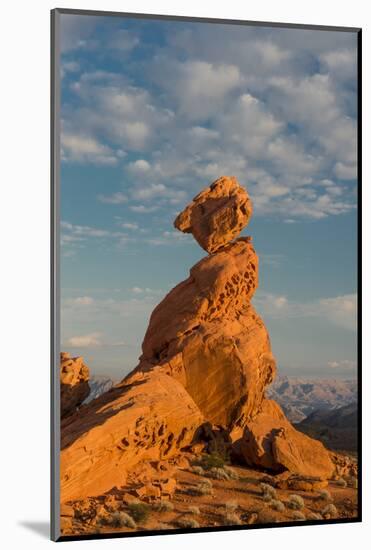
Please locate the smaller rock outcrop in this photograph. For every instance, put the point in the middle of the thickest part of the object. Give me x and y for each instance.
(270, 441)
(151, 418)
(216, 215)
(74, 382)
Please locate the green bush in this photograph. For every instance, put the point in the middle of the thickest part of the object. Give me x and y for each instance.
(213, 460)
(118, 519)
(163, 506)
(231, 473)
(324, 495)
(295, 502)
(139, 511)
(188, 523)
(277, 505)
(330, 511)
(218, 473)
(267, 491)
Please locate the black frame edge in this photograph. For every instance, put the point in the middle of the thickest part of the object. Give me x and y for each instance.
(304, 26)
(54, 277)
(359, 270)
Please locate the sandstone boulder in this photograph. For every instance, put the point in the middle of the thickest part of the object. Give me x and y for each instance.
(217, 215)
(151, 418)
(74, 376)
(270, 441)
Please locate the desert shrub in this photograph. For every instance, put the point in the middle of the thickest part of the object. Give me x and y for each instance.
(330, 511)
(231, 506)
(231, 519)
(298, 516)
(194, 510)
(267, 491)
(118, 519)
(231, 473)
(324, 495)
(218, 473)
(295, 502)
(139, 511)
(213, 460)
(341, 482)
(188, 523)
(314, 515)
(163, 506)
(205, 487)
(277, 505)
(197, 470)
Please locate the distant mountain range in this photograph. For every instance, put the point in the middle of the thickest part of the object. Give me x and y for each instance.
(337, 428)
(300, 397)
(99, 385)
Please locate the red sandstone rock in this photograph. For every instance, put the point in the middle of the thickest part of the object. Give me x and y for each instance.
(74, 376)
(217, 215)
(270, 441)
(216, 345)
(151, 418)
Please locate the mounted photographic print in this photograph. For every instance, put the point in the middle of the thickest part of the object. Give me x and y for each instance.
(205, 281)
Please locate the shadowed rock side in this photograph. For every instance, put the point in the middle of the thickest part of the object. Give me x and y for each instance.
(74, 376)
(206, 359)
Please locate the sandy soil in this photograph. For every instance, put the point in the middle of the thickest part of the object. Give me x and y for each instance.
(239, 501)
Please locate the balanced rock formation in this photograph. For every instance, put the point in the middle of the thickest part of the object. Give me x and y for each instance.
(206, 361)
(74, 377)
(216, 215)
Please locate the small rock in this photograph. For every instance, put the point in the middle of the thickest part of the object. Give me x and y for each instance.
(168, 487)
(111, 503)
(252, 518)
(148, 491)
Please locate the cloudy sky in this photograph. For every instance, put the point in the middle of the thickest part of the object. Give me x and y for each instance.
(154, 111)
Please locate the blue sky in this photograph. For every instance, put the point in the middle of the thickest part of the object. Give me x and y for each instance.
(154, 111)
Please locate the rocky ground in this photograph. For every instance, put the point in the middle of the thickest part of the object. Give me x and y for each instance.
(188, 493)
